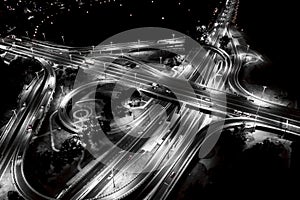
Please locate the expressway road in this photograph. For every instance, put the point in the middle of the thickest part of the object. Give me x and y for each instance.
(204, 96)
(115, 159)
(19, 50)
(165, 44)
(162, 161)
(163, 150)
(101, 183)
(83, 187)
(64, 54)
(24, 121)
(234, 82)
(41, 98)
(164, 183)
(217, 101)
(165, 180)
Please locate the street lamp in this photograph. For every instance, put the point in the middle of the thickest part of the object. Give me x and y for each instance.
(70, 55)
(262, 94)
(173, 35)
(63, 39)
(160, 59)
(44, 36)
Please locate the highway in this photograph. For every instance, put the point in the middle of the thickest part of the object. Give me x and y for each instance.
(183, 140)
(118, 161)
(233, 101)
(10, 132)
(42, 98)
(284, 119)
(25, 118)
(114, 74)
(239, 57)
(83, 187)
(116, 48)
(165, 180)
(20, 130)
(72, 60)
(189, 122)
(115, 149)
(100, 186)
(201, 89)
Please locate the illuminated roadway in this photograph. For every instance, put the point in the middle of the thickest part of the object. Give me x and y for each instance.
(17, 167)
(19, 131)
(207, 96)
(85, 186)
